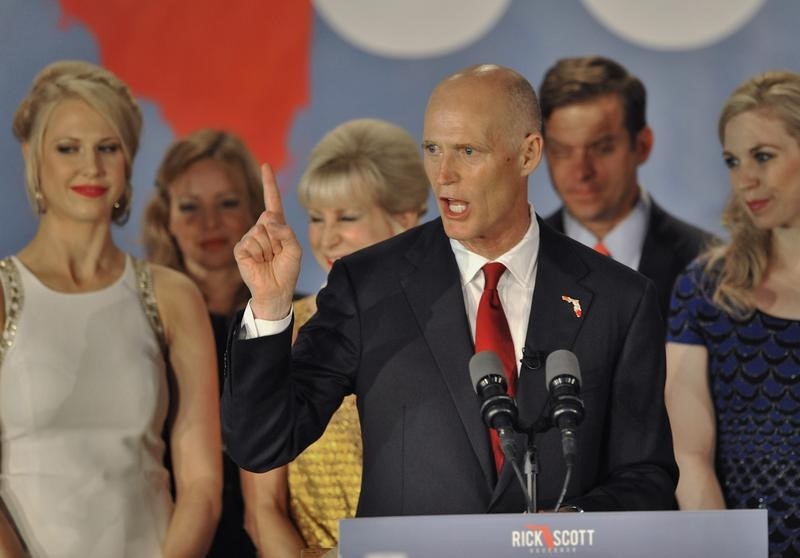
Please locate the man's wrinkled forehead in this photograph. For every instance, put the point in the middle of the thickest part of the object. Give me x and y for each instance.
(465, 91)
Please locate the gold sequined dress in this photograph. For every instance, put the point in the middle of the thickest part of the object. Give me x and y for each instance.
(325, 480)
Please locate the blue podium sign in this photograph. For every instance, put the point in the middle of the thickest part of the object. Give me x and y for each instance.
(669, 534)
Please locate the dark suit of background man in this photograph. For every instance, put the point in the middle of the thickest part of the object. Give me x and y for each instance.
(396, 324)
(596, 136)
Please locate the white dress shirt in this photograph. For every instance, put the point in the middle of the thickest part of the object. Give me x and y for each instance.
(515, 286)
(625, 241)
(515, 289)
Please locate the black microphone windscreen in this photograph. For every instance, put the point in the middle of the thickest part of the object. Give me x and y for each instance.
(483, 364)
(559, 363)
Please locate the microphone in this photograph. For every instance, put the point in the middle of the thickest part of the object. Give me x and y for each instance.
(498, 409)
(563, 377)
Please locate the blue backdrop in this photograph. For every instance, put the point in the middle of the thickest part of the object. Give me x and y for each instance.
(690, 56)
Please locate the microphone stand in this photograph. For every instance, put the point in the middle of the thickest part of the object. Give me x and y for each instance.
(531, 471)
(532, 361)
(510, 456)
(531, 462)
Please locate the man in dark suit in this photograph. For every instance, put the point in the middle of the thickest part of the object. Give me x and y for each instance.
(395, 325)
(596, 138)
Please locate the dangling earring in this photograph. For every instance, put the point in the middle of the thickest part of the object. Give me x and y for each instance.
(41, 207)
(122, 207)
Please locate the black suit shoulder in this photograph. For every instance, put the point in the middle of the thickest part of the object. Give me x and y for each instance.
(669, 246)
(556, 219)
(685, 239)
(382, 266)
(387, 253)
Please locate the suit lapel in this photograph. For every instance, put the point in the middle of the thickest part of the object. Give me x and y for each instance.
(555, 319)
(553, 324)
(434, 293)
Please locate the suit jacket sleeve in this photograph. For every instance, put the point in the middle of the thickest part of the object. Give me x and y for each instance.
(640, 468)
(278, 399)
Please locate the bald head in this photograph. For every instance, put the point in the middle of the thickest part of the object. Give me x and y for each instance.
(502, 87)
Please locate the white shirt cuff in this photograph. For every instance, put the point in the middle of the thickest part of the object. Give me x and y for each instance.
(253, 327)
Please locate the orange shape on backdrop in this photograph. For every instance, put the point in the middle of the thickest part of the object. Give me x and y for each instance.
(241, 66)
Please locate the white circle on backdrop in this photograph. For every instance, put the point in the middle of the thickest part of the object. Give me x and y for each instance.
(673, 24)
(411, 28)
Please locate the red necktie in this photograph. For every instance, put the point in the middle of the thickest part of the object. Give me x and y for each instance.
(600, 247)
(492, 334)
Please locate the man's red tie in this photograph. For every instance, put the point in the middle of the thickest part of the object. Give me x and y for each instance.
(492, 334)
(600, 247)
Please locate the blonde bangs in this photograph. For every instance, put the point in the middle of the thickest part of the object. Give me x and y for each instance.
(328, 189)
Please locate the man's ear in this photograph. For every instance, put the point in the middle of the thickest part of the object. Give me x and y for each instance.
(643, 144)
(531, 155)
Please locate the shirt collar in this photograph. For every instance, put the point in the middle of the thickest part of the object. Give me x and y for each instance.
(625, 240)
(520, 260)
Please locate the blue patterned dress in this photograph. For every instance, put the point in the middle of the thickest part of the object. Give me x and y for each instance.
(754, 367)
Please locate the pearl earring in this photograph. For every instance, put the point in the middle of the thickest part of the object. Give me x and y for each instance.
(41, 206)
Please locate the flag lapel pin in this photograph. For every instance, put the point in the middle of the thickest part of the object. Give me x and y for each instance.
(576, 305)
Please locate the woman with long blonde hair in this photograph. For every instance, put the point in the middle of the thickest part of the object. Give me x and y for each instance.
(733, 346)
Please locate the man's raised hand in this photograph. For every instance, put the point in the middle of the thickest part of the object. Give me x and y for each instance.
(268, 256)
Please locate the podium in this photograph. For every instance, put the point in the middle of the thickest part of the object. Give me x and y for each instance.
(668, 534)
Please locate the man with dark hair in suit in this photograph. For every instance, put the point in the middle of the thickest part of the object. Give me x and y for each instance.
(596, 137)
(397, 325)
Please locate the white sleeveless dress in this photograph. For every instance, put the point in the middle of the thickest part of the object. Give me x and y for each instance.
(83, 400)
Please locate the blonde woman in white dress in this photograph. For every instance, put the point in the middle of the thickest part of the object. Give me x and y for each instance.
(101, 354)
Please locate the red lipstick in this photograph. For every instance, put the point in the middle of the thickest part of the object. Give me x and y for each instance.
(89, 190)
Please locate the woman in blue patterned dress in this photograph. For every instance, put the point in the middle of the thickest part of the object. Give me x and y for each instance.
(733, 346)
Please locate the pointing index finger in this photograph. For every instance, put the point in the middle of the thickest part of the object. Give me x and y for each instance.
(272, 196)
